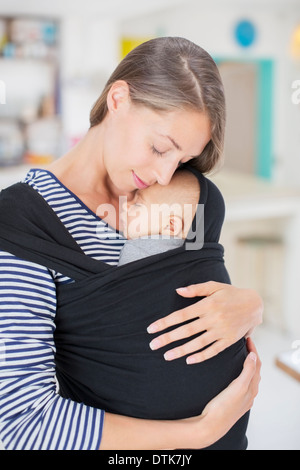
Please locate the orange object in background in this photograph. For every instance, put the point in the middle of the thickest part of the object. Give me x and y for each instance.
(36, 159)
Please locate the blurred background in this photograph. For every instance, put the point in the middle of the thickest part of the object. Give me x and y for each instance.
(55, 58)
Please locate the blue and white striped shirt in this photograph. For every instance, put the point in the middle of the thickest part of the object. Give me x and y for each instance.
(32, 414)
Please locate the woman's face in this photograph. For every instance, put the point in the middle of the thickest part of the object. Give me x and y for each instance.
(143, 147)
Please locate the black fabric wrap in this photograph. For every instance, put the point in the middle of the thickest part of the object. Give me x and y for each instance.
(103, 356)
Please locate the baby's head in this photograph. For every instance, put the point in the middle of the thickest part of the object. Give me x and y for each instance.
(163, 210)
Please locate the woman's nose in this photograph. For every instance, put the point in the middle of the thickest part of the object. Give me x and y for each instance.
(165, 171)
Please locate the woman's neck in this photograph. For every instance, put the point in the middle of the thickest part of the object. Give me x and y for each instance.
(82, 171)
(81, 168)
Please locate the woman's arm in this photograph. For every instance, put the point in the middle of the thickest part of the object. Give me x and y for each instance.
(121, 432)
(32, 415)
(225, 315)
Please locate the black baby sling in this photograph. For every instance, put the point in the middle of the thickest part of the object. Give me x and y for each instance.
(103, 358)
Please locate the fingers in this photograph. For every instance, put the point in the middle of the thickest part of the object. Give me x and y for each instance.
(205, 290)
(202, 290)
(195, 345)
(175, 318)
(213, 339)
(184, 331)
(250, 376)
(207, 353)
(236, 399)
(249, 367)
(195, 290)
(253, 352)
(206, 340)
(251, 346)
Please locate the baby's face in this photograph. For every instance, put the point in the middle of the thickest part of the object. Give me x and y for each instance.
(162, 209)
(139, 217)
(159, 210)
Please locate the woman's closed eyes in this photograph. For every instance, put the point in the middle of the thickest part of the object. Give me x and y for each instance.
(157, 152)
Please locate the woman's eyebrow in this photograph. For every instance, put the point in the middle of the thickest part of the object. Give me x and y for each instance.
(176, 145)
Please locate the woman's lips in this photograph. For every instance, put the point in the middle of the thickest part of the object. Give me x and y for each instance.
(139, 183)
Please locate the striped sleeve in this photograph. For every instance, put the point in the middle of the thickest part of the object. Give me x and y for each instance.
(33, 415)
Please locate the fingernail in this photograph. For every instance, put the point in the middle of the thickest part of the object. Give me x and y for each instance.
(169, 355)
(190, 360)
(155, 344)
(152, 328)
(252, 356)
(181, 289)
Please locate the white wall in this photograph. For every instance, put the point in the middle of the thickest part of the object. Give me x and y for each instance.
(90, 52)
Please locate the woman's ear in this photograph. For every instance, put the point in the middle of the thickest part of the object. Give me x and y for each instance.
(174, 227)
(118, 96)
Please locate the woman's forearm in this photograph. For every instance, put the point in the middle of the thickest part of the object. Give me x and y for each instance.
(123, 432)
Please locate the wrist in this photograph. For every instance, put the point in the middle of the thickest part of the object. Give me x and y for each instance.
(197, 432)
(122, 432)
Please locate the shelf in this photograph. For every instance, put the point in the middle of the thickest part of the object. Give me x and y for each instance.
(34, 60)
(288, 362)
(29, 62)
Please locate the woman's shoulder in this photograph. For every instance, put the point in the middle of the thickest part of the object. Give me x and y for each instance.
(42, 181)
(210, 194)
(214, 210)
(214, 195)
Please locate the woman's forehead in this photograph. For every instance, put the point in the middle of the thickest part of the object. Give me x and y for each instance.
(187, 131)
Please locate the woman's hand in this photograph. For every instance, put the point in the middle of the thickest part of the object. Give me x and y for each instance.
(231, 404)
(225, 315)
(219, 415)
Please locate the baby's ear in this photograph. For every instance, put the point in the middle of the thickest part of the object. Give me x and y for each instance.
(174, 227)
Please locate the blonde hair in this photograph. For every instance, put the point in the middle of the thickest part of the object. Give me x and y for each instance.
(168, 73)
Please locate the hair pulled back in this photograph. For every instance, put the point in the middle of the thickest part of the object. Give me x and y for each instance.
(170, 73)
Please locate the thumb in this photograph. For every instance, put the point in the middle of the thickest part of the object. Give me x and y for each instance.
(202, 290)
(249, 368)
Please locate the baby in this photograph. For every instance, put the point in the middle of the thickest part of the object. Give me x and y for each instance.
(159, 217)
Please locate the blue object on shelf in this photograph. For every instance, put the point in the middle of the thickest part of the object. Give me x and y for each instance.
(49, 33)
(245, 33)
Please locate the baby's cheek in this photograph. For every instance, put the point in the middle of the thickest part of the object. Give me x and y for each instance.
(133, 227)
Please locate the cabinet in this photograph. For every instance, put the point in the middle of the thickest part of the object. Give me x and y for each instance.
(30, 123)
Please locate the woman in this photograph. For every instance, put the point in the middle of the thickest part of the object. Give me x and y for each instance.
(163, 106)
